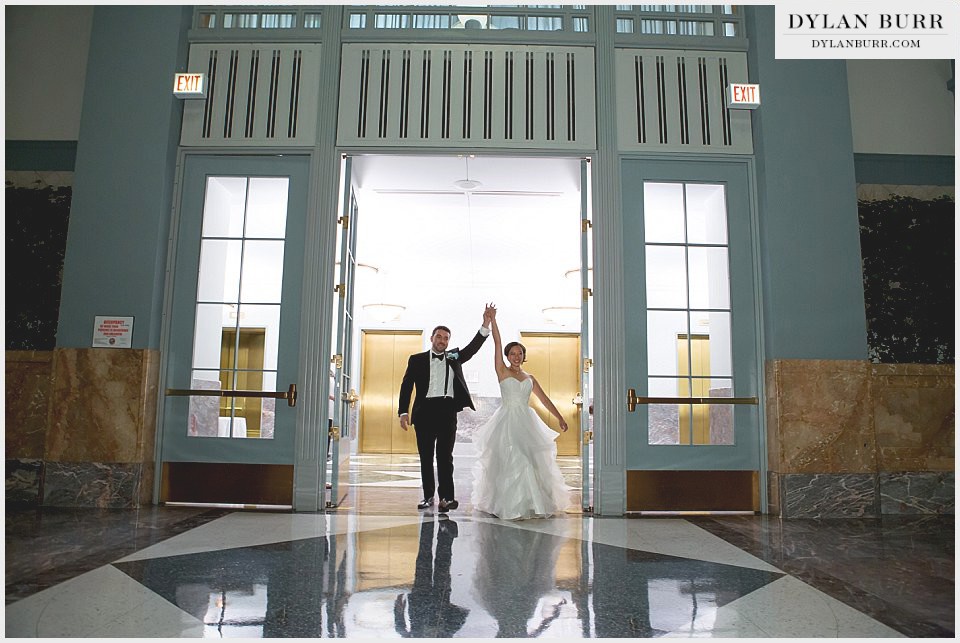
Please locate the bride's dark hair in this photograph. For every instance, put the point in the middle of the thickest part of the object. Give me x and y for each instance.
(506, 350)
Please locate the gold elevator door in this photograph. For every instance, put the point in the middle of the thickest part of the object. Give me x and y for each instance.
(383, 360)
(554, 359)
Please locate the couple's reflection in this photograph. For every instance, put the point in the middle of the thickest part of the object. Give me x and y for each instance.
(515, 568)
(427, 605)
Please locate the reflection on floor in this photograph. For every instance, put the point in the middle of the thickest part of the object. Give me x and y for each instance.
(376, 567)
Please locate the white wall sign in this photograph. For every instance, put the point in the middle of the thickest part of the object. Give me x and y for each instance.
(190, 85)
(112, 332)
(743, 96)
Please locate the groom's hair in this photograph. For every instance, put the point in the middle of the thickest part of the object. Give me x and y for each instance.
(506, 350)
(440, 328)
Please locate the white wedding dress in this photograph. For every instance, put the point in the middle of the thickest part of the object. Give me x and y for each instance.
(516, 475)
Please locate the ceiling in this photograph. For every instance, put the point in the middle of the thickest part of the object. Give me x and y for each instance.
(511, 238)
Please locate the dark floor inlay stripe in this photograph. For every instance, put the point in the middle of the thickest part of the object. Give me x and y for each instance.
(439, 579)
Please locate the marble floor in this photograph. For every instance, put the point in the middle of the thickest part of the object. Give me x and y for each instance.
(377, 568)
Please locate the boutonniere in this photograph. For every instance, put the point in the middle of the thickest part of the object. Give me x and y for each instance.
(454, 355)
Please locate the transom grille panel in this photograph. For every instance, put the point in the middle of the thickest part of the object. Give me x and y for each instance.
(257, 94)
(497, 96)
(672, 100)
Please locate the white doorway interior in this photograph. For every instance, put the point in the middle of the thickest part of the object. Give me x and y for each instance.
(439, 236)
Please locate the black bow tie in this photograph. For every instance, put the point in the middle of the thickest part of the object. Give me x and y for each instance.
(435, 356)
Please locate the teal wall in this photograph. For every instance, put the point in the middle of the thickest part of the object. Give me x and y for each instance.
(905, 169)
(126, 154)
(40, 156)
(813, 303)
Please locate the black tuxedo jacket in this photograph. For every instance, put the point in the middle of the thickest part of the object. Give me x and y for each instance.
(418, 375)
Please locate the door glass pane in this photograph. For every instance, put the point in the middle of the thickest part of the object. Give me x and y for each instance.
(706, 213)
(715, 328)
(262, 272)
(267, 208)
(239, 284)
(664, 419)
(204, 412)
(219, 278)
(720, 415)
(663, 328)
(663, 212)
(265, 319)
(211, 319)
(666, 277)
(709, 278)
(223, 206)
(689, 348)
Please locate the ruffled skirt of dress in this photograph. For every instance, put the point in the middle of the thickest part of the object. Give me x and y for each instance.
(516, 475)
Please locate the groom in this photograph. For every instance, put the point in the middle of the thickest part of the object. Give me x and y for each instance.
(441, 394)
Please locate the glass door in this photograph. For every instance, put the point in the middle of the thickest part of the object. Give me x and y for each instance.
(344, 399)
(692, 332)
(586, 363)
(229, 403)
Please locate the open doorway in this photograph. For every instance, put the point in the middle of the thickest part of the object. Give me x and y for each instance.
(437, 238)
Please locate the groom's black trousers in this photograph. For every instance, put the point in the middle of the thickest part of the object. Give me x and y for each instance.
(436, 429)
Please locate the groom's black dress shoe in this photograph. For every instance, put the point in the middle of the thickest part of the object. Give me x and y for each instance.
(447, 505)
(426, 502)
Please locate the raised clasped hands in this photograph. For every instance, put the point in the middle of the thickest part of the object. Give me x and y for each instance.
(489, 314)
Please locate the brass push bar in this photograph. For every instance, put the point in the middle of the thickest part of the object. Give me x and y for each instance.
(633, 400)
(290, 395)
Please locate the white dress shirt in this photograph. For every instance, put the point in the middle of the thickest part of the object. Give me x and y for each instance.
(439, 375)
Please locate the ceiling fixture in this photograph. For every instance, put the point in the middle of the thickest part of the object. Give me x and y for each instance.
(361, 269)
(467, 185)
(574, 274)
(384, 313)
(401, 192)
(562, 315)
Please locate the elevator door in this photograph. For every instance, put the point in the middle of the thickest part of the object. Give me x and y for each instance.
(383, 360)
(554, 359)
(229, 398)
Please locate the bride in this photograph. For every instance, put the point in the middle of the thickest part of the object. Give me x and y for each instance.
(516, 475)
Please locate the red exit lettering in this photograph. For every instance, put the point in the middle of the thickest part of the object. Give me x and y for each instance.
(744, 94)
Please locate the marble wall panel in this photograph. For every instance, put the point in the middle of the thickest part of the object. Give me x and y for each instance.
(105, 404)
(917, 493)
(905, 422)
(28, 386)
(23, 481)
(37, 215)
(828, 495)
(823, 421)
(150, 398)
(771, 386)
(95, 484)
(773, 493)
(913, 410)
(907, 248)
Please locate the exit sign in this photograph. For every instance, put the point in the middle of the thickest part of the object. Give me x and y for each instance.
(190, 85)
(742, 96)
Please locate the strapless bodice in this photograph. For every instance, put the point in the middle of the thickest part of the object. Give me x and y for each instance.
(514, 392)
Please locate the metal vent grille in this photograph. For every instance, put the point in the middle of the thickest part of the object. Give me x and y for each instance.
(503, 96)
(257, 95)
(670, 100)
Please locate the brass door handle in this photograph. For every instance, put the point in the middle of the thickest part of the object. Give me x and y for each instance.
(633, 400)
(290, 395)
